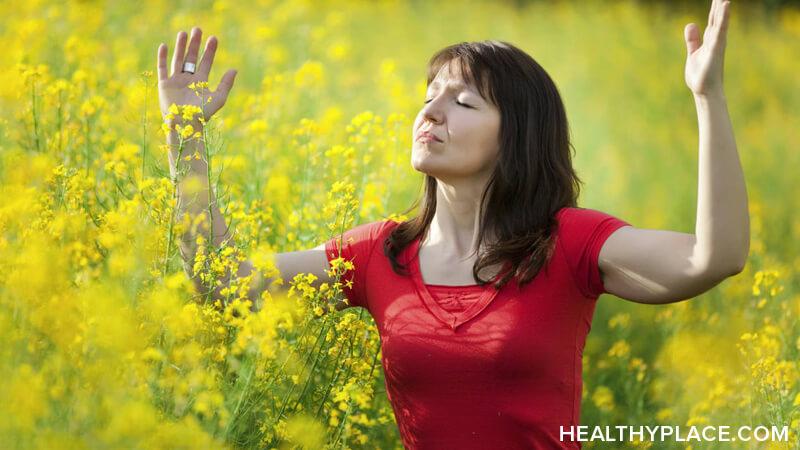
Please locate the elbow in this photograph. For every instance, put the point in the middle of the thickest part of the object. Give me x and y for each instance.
(743, 255)
(740, 260)
(739, 267)
(729, 263)
(733, 269)
(715, 273)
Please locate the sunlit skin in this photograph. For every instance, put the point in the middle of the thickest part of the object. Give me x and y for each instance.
(469, 127)
(173, 82)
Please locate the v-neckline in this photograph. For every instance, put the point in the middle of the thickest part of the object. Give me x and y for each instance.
(452, 321)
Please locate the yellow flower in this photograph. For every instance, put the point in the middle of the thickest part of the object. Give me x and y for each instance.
(187, 131)
(190, 111)
(603, 398)
(199, 86)
(310, 74)
(620, 349)
(621, 320)
(305, 431)
(339, 51)
(665, 415)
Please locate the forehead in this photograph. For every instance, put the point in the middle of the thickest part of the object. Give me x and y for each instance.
(454, 85)
(450, 76)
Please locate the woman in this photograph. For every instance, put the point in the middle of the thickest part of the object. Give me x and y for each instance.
(484, 300)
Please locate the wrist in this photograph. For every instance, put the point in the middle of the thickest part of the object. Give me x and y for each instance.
(717, 94)
(172, 120)
(177, 129)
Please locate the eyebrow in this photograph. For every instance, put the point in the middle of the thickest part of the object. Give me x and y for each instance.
(454, 86)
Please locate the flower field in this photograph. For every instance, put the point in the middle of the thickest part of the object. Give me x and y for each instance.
(106, 343)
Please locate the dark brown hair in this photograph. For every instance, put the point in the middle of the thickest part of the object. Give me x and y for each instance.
(533, 178)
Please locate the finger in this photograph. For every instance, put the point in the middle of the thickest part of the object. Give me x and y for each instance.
(220, 95)
(712, 13)
(180, 50)
(208, 57)
(718, 13)
(692, 38)
(162, 62)
(194, 46)
(724, 7)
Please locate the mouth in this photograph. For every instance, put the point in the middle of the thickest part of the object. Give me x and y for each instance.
(426, 136)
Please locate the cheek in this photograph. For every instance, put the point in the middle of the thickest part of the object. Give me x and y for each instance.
(417, 122)
(476, 137)
(491, 139)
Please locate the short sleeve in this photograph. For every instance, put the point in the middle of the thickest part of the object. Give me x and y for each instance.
(357, 245)
(582, 233)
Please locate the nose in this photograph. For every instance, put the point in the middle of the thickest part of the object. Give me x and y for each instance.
(432, 111)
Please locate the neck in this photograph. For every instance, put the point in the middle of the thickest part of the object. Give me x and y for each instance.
(455, 225)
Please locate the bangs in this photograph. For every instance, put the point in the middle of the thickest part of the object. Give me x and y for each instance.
(474, 69)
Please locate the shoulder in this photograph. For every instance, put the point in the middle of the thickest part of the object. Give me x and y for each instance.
(581, 235)
(379, 229)
(577, 213)
(371, 229)
(577, 219)
(365, 236)
(582, 229)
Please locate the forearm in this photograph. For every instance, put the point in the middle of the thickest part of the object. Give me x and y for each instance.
(723, 221)
(196, 199)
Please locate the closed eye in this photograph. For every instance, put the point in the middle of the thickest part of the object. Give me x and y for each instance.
(457, 102)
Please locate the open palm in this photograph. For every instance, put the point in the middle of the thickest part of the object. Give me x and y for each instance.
(174, 87)
(705, 63)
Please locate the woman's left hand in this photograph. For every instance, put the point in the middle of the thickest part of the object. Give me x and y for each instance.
(704, 63)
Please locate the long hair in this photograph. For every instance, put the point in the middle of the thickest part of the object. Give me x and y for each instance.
(533, 178)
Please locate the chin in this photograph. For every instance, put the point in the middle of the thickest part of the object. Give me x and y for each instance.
(421, 161)
(436, 171)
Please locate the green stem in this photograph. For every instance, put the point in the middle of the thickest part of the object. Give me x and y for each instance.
(374, 360)
(371, 369)
(241, 397)
(144, 129)
(59, 121)
(88, 130)
(323, 329)
(337, 372)
(212, 244)
(340, 429)
(35, 116)
(280, 371)
(174, 208)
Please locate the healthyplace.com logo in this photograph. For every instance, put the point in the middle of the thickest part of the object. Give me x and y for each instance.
(660, 433)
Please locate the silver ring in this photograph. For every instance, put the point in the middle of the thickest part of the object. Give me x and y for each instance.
(188, 67)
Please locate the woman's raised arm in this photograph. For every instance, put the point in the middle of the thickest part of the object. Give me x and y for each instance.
(194, 195)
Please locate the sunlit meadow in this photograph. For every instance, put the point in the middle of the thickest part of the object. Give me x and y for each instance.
(107, 345)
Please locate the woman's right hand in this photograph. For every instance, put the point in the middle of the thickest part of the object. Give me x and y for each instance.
(175, 88)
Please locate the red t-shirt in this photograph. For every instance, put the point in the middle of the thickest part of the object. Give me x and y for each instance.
(476, 368)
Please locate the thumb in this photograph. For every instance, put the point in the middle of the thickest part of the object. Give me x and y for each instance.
(226, 83)
(692, 36)
(220, 95)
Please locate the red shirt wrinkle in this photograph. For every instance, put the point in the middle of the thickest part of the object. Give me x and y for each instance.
(471, 367)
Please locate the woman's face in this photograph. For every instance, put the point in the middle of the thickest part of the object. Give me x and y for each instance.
(466, 125)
